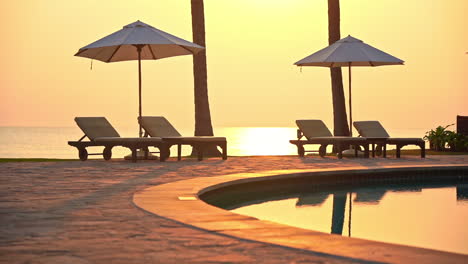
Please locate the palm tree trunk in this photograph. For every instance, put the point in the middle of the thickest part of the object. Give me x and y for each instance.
(338, 213)
(203, 125)
(340, 121)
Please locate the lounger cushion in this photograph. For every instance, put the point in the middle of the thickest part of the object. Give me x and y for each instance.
(371, 129)
(95, 127)
(313, 128)
(404, 141)
(158, 126)
(337, 139)
(128, 140)
(196, 139)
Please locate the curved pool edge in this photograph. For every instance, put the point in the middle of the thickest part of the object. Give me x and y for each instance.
(180, 202)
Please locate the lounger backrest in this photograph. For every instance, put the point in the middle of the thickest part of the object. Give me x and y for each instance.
(96, 127)
(158, 126)
(311, 128)
(371, 129)
(462, 125)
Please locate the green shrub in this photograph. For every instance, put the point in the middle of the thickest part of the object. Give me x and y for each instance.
(456, 141)
(437, 138)
(440, 137)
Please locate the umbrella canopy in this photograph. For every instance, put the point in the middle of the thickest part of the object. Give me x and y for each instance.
(138, 41)
(121, 45)
(349, 52)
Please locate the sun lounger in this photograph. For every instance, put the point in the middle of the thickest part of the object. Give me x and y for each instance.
(159, 126)
(377, 135)
(101, 133)
(316, 132)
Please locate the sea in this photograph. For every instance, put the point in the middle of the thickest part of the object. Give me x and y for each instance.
(51, 142)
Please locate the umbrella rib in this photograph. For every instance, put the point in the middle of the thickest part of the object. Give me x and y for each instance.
(113, 53)
(152, 53)
(118, 47)
(186, 48)
(80, 51)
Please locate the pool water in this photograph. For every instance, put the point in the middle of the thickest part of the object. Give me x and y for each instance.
(434, 216)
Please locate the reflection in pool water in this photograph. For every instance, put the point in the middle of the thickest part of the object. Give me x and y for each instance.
(423, 216)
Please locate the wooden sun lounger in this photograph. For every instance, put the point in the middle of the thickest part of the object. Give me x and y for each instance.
(101, 133)
(377, 135)
(159, 126)
(316, 132)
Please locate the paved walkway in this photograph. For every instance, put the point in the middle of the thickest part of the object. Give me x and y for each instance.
(82, 212)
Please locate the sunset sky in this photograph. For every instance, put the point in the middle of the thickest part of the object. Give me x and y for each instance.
(251, 48)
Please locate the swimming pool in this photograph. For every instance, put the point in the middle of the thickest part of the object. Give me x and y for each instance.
(422, 215)
(418, 199)
(198, 202)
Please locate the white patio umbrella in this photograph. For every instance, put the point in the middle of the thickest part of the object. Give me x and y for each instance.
(349, 52)
(138, 41)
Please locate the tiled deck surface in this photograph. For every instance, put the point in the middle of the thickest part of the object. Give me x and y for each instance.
(82, 212)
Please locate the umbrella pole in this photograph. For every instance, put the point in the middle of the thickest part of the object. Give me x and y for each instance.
(350, 107)
(139, 47)
(350, 211)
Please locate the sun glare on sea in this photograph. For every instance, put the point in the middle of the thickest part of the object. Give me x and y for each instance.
(259, 140)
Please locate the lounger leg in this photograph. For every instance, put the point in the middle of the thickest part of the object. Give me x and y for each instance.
(200, 152)
(179, 152)
(164, 153)
(107, 153)
(134, 155)
(398, 149)
(340, 153)
(373, 150)
(224, 149)
(378, 149)
(366, 151)
(83, 154)
(323, 150)
(356, 150)
(300, 150)
(146, 151)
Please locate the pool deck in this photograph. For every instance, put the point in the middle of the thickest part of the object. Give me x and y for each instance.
(83, 212)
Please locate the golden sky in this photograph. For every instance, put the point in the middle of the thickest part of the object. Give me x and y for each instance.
(251, 47)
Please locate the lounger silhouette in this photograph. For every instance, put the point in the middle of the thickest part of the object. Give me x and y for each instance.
(101, 133)
(462, 125)
(159, 126)
(377, 135)
(316, 132)
(314, 199)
